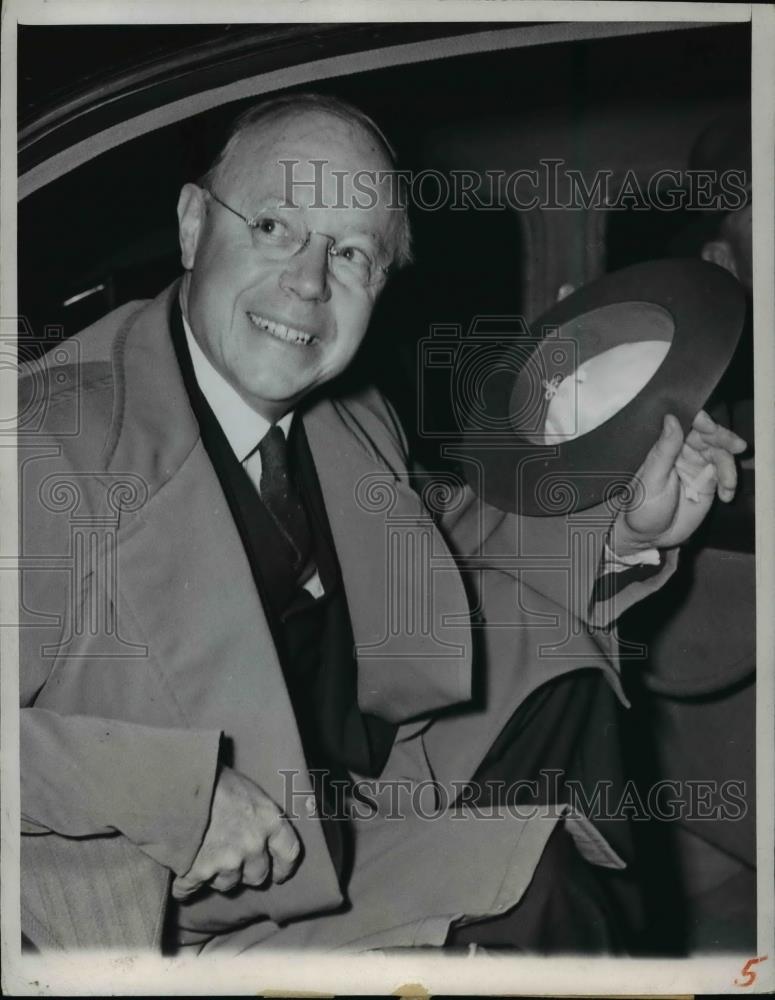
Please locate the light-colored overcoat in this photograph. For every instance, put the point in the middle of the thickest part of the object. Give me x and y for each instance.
(145, 653)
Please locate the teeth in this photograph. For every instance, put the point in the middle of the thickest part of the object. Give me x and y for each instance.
(280, 331)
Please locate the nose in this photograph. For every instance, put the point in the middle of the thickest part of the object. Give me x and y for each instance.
(306, 273)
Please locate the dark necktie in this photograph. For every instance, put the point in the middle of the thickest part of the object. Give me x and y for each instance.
(283, 503)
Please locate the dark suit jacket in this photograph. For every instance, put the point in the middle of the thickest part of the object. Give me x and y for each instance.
(144, 643)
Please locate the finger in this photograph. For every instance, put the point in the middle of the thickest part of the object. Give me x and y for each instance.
(726, 473)
(691, 460)
(723, 466)
(285, 848)
(716, 434)
(724, 462)
(722, 459)
(723, 438)
(661, 459)
(698, 484)
(704, 423)
(184, 886)
(226, 880)
(256, 871)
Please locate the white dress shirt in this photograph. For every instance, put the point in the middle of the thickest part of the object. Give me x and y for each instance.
(243, 427)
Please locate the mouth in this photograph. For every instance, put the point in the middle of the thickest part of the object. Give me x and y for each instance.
(287, 334)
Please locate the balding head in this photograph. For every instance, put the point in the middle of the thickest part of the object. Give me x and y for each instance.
(316, 112)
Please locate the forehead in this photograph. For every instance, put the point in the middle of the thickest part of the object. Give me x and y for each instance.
(314, 159)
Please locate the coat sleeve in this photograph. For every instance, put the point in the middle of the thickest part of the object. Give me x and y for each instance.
(85, 776)
(562, 558)
(82, 775)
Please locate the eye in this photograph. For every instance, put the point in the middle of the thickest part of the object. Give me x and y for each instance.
(354, 256)
(268, 229)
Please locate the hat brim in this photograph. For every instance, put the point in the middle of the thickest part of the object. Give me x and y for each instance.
(511, 471)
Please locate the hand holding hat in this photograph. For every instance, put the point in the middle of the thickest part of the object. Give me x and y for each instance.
(617, 374)
(679, 480)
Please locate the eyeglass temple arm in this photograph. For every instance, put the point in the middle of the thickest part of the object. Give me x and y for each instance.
(214, 196)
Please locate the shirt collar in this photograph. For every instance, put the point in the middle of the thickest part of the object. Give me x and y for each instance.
(243, 427)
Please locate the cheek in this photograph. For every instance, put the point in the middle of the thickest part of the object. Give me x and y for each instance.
(744, 230)
(219, 289)
(352, 321)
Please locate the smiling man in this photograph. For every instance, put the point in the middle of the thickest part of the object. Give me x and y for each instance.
(284, 620)
(277, 335)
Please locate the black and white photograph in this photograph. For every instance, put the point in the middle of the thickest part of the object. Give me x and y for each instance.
(387, 525)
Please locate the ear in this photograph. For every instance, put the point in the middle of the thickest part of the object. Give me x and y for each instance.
(720, 252)
(191, 220)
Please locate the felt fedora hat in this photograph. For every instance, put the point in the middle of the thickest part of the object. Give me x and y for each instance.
(564, 418)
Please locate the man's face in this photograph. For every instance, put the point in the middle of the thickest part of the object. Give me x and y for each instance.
(277, 329)
(737, 229)
(733, 247)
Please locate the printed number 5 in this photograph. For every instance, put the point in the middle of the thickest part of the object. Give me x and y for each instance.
(749, 976)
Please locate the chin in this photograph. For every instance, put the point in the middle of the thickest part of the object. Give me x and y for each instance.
(279, 398)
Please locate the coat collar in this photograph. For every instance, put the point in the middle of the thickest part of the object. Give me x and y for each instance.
(153, 429)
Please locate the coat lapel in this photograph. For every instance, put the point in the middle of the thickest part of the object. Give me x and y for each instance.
(407, 603)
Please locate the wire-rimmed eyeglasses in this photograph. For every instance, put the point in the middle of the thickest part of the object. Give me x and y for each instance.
(280, 239)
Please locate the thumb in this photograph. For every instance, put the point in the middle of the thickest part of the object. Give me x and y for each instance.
(661, 459)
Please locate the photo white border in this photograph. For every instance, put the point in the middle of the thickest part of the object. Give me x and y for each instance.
(100, 973)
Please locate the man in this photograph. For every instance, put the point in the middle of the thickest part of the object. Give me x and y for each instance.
(241, 533)
(713, 657)
(722, 148)
(725, 146)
